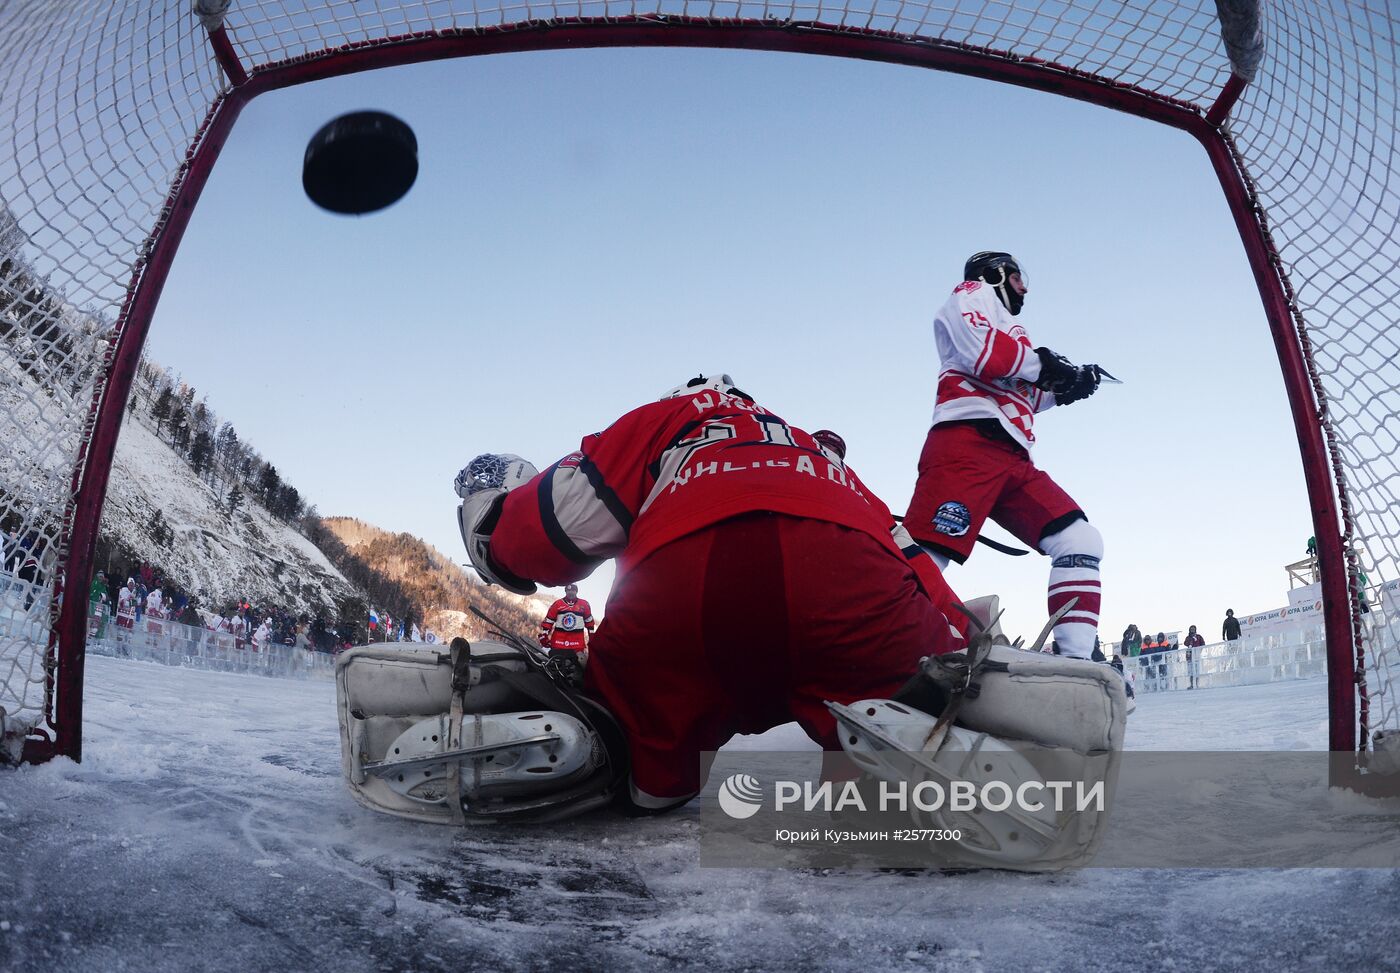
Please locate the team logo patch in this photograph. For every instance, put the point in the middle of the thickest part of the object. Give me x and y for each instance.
(569, 622)
(952, 519)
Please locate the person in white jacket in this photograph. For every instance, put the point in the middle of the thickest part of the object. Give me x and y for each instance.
(263, 635)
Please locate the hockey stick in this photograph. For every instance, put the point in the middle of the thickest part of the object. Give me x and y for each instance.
(1004, 548)
(531, 652)
(1052, 622)
(558, 670)
(994, 545)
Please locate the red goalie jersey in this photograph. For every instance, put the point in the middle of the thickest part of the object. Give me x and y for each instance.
(757, 579)
(670, 468)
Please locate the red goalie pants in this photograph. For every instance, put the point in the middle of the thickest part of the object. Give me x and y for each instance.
(748, 624)
(966, 477)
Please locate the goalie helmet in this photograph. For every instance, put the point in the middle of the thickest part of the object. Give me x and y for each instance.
(483, 484)
(719, 383)
(491, 471)
(995, 268)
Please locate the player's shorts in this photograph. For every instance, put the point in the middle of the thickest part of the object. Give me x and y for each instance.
(965, 476)
(747, 624)
(567, 642)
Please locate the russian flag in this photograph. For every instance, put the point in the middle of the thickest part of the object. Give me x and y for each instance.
(373, 618)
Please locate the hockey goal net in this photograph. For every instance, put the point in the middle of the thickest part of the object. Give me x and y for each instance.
(115, 112)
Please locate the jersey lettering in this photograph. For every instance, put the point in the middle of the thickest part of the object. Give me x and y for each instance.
(775, 430)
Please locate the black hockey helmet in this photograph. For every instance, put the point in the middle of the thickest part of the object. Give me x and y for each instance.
(995, 267)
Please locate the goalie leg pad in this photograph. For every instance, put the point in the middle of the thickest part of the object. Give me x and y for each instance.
(1047, 700)
(1032, 714)
(888, 741)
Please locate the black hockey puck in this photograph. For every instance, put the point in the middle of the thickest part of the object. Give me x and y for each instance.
(360, 162)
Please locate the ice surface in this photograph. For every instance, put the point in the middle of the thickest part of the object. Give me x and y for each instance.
(207, 828)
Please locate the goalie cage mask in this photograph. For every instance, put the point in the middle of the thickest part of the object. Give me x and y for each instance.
(491, 471)
(719, 383)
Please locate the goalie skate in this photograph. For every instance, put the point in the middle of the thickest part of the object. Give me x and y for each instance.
(506, 758)
(452, 738)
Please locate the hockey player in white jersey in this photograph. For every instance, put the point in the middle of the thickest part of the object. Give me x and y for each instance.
(976, 459)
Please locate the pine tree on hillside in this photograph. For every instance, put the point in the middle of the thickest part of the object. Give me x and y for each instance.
(201, 452)
(235, 500)
(226, 446)
(179, 427)
(160, 411)
(160, 530)
(268, 484)
(289, 505)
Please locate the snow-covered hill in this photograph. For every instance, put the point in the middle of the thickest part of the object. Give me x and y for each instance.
(438, 585)
(213, 553)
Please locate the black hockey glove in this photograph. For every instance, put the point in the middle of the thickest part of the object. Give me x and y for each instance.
(1069, 382)
(1085, 384)
(1056, 372)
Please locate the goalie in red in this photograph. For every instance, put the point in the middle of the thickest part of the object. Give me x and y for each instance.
(757, 577)
(567, 625)
(976, 461)
(758, 582)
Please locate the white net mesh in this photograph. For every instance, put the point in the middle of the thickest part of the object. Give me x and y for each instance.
(1317, 132)
(103, 104)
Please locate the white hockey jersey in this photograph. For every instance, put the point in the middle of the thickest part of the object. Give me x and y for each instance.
(987, 364)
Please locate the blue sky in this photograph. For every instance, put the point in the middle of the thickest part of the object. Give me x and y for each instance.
(590, 228)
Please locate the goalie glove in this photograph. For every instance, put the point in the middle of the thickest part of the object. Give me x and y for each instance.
(483, 484)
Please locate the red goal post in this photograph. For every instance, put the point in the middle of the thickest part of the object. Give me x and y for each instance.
(116, 114)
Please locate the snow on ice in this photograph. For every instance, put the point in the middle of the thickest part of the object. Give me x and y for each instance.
(207, 828)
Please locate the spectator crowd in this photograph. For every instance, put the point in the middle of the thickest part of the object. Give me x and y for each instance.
(146, 594)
